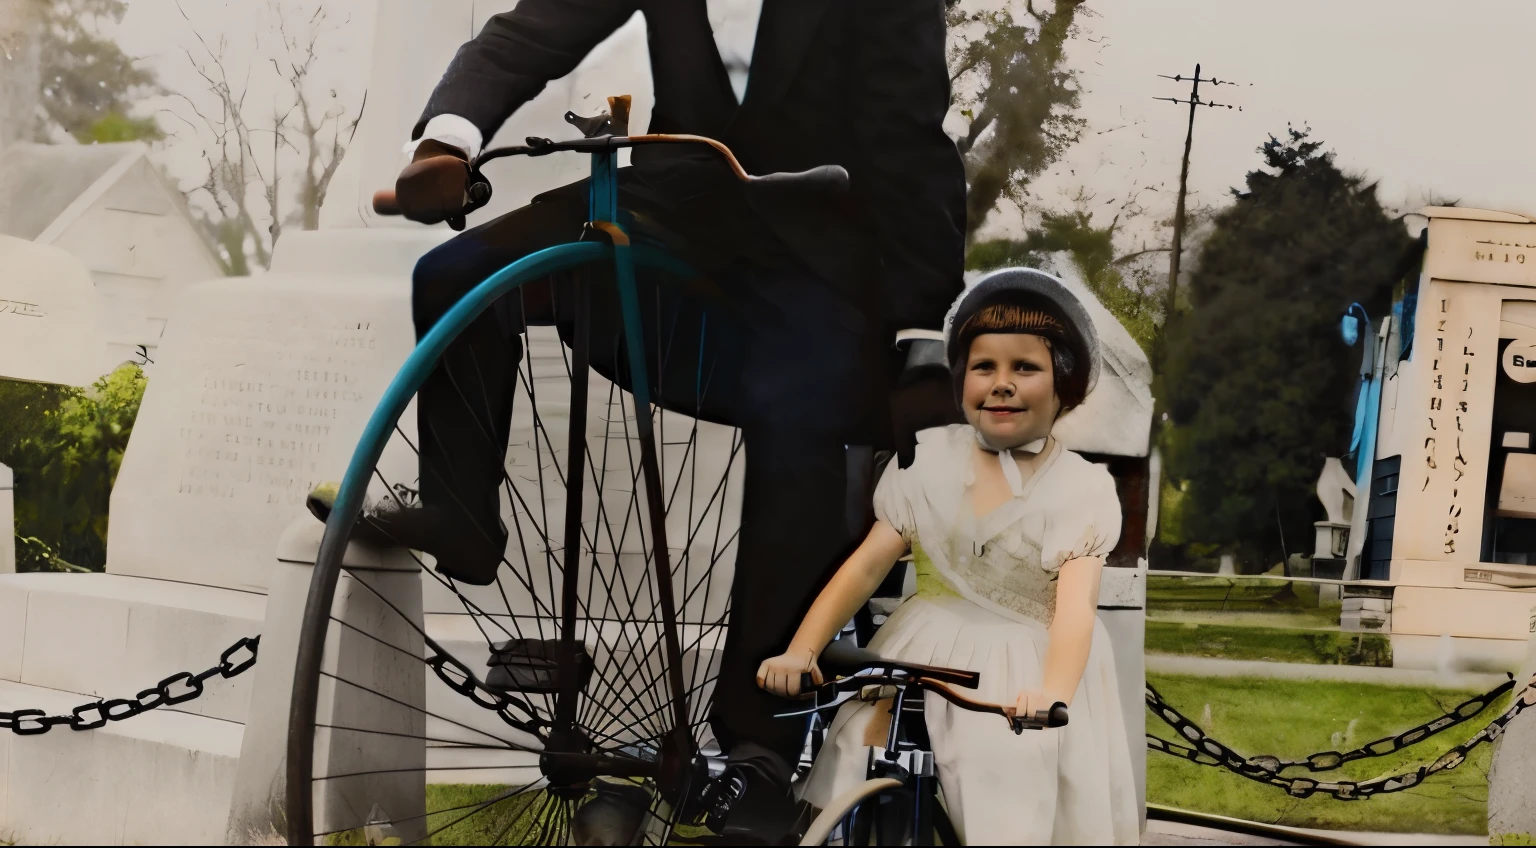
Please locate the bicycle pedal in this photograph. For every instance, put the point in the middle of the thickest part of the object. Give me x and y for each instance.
(532, 666)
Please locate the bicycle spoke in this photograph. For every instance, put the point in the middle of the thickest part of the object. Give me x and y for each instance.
(673, 488)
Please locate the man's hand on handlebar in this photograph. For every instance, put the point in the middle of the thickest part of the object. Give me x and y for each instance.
(784, 674)
(432, 188)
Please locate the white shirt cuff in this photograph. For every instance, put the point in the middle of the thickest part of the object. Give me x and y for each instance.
(453, 131)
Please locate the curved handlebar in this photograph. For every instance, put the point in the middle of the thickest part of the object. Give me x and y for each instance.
(858, 668)
(832, 179)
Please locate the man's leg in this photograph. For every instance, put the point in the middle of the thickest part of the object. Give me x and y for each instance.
(464, 409)
(809, 387)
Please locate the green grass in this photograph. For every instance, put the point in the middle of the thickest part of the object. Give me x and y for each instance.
(1271, 644)
(1292, 719)
(1221, 594)
(481, 827)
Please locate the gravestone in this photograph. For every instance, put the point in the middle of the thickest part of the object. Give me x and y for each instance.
(257, 379)
(7, 520)
(51, 320)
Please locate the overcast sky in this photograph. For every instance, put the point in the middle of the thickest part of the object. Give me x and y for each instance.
(1429, 98)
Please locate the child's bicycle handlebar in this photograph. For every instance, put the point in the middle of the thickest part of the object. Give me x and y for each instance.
(853, 669)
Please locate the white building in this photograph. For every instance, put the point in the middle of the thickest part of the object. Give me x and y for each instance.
(110, 208)
(1449, 516)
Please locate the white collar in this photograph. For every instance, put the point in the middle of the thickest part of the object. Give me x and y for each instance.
(1005, 459)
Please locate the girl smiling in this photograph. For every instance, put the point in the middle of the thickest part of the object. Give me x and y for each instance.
(1009, 531)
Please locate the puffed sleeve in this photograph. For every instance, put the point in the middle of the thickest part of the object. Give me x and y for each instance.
(892, 504)
(1087, 525)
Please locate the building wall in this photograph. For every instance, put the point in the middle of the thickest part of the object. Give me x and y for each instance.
(141, 249)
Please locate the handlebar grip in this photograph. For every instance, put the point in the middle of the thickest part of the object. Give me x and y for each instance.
(1056, 716)
(384, 202)
(807, 682)
(831, 179)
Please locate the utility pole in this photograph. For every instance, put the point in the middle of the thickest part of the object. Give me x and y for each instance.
(1194, 102)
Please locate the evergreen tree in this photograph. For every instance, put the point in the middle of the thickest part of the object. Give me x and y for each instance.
(1257, 376)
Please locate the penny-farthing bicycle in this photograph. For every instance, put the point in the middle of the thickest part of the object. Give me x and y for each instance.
(585, 671)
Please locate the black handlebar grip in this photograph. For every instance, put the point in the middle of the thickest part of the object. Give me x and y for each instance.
(1056, 716)
(831, 179)
(807, 682)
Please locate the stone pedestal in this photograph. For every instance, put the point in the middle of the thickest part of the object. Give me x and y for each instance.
(384, 692)
(1512, 779)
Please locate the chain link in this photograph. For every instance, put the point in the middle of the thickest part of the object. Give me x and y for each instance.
(1265, 769)
(99, 712)
(460, 679)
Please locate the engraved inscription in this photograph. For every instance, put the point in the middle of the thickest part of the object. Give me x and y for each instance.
(270, 395)
(22, 309)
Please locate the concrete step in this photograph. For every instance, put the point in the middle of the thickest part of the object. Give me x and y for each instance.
(112, 636)
(160, 778)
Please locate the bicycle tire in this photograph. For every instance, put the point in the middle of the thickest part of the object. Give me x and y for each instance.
(840, 807)
(329, 569)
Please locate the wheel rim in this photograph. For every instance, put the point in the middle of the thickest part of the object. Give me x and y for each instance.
(482, 742)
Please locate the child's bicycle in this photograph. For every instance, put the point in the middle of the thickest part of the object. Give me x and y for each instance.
(597, 646)
(898, 803)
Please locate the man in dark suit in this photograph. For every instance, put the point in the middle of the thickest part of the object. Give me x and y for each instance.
(813, 286)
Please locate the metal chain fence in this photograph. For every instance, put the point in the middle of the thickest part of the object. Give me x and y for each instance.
(1266, 769)
(176, 689)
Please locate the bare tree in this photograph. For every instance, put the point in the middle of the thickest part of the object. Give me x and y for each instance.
(1013, 83)
(246, 156)
(21, 26)
(321, 157)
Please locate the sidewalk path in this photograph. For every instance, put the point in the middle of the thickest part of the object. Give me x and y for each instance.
(1178, 833)
(1212, 667)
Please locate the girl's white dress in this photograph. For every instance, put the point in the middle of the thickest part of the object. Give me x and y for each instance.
(985, 597)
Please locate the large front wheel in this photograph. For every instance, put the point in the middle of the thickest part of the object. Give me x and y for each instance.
(564, 703)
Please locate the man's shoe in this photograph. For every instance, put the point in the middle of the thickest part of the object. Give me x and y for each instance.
(747, 805)
(612, 816)
(464, 551)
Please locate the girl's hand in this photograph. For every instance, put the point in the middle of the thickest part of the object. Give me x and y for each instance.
(1033, 701)
(781, 674)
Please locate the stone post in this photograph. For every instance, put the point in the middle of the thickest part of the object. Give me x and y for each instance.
(7, 520)
(381, 673)
(1512, 778)
(1123, 611)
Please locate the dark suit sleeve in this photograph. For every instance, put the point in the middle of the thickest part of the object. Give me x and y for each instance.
(516, 54)
(911, 182)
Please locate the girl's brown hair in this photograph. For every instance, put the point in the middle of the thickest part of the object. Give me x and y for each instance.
(1032, 316)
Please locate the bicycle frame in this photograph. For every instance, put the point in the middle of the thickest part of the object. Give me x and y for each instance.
(677, 753)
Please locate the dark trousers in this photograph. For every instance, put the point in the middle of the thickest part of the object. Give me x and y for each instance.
(765, 346)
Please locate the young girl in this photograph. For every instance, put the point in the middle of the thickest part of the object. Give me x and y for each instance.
(1010, 531)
